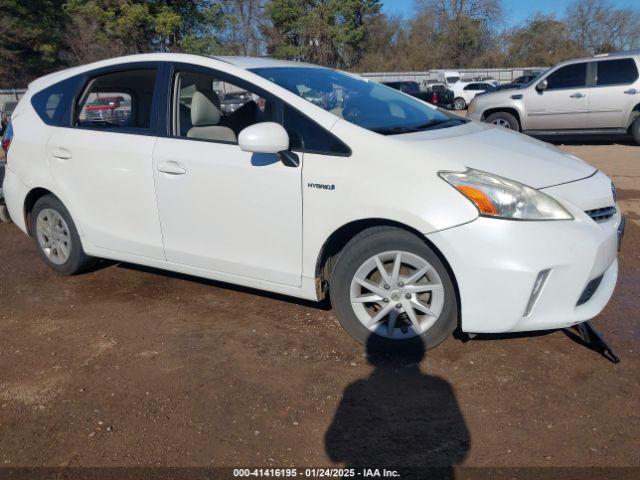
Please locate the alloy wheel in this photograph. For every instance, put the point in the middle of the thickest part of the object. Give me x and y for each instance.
(397, 294)
(501, 122)
(53, 236)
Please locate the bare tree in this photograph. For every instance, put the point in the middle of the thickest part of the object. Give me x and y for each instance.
(599, 27)
(247, 26)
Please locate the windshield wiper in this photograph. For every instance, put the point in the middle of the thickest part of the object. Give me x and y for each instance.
(394, 130)
(438, 123)
(399, 129)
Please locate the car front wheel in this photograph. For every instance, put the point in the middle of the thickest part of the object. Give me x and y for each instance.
(389, 288)
(505, 120)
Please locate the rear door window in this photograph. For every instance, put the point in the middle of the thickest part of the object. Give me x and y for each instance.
(616, 72)
(569, 76)
(120, 100)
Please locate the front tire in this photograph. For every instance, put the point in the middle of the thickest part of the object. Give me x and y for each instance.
(459, 103)
(56, 237)
(390, 288)
(505, 120)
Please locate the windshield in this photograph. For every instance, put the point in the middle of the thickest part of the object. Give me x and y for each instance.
(364, 102)
(451, 80)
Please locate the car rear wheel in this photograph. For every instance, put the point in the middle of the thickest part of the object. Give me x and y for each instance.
(505, 120)
(635, 130)
(56, 237)
(459, 103)
(389, 288)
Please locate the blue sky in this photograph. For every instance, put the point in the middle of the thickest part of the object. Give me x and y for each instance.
(516, 11)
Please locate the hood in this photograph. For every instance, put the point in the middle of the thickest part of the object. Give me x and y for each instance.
(499, 151)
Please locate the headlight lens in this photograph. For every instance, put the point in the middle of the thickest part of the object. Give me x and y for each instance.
(499, 197)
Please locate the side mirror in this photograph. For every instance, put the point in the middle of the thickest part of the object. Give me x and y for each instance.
(268, 137)
(265, 137)
(542, 86)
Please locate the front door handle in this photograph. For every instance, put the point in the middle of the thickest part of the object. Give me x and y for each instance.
(171, 168)
(631, 91)
(62, 153)
(578, 95)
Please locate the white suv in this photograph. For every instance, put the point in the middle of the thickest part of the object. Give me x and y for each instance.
(415, 221)
(599, 95)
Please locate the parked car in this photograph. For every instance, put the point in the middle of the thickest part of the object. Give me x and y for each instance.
(234, 100)
(588, 96)
(448, 77)
(406, 86)
(437, 94)
(5, 114)
(464, 92)
(440, 95)
(486, 79)
(413, 220)
(110, 109)
(518, 82)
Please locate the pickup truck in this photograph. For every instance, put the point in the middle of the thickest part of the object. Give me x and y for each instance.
(437, 94)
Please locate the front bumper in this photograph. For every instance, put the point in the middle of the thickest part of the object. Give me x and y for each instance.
(496, 264)
(475, 115)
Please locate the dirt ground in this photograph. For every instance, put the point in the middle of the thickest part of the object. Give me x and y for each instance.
(127, 366)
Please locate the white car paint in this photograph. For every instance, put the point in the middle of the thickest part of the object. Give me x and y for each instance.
(467, 95)
(213, 210)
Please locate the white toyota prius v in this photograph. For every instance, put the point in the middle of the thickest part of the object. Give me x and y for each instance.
(313, 183)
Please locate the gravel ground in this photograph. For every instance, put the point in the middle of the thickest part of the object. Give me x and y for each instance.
(129, 366)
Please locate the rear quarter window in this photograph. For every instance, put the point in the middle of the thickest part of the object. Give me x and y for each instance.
(54, 104)
(616, 72)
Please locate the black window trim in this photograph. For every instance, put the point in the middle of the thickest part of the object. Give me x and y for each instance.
(586, 78)
(595, 72)
(87, 78)
(169, 104)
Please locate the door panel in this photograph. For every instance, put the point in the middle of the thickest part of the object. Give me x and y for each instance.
(614, 95)
(608, 107)
(106, 178)
(557, 109)
(564, 105)
(230, 211)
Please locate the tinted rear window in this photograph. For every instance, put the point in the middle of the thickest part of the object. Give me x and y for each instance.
(617, 72)
(53, 103)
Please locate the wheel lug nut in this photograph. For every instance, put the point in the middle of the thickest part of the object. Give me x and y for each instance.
(385, 300)
(398, 305)
(401, 284)
(408, 295)
(386, 287)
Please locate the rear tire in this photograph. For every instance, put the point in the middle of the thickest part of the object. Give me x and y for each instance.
(635, 130)
(505, 120)
(459, 103)
(407, 309)
(56, 237)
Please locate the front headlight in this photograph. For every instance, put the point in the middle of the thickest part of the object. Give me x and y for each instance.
(499, 197)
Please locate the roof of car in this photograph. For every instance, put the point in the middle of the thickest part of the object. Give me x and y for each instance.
(261, 62)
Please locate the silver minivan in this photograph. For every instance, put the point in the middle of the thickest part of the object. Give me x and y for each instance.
(599, 95)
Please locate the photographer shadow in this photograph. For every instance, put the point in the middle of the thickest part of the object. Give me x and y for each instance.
(399, 418)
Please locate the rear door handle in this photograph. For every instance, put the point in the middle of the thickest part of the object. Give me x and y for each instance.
(578, 95)
(171, 168)
(631, 91)
(62, 153)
